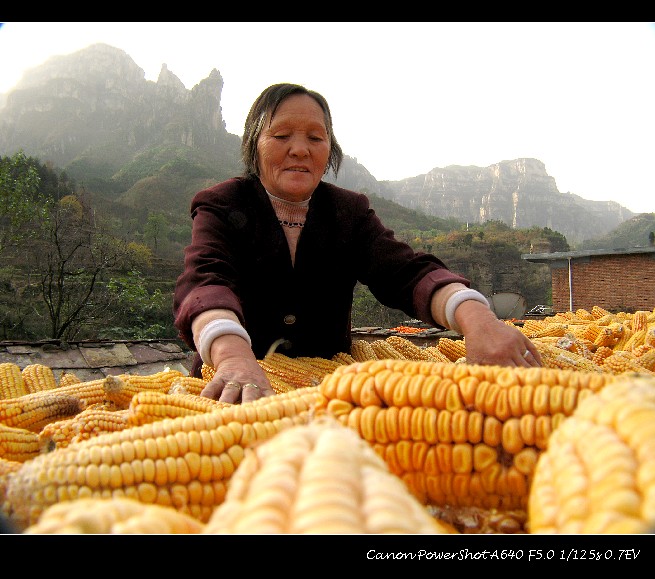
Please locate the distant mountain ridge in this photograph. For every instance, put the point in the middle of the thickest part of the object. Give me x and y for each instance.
(152, 145)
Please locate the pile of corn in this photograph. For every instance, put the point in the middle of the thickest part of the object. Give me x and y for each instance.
(388, 438)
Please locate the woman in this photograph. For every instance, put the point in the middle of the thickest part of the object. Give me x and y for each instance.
(275, 256)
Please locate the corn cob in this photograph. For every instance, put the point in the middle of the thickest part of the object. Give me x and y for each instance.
(639, 320)
(300, 371)
(409, 350)
(597, 474)
(649, 338)
(623, 361)
(290, 375)
(636, 339)
(436, 354)
(531, 327)
(7, 469)
(457, 434)
(452, 349)
(94, 420)
(184, 462)
(361, 350)
(597, 312)
(187, 385)
(207, 372)
(343, 358)
(112, 516)
(625, 335)
(68, 378)
(578, 345)
(147, 406)
(121, 389)
(555, 357)
(320, 366)
(11, 381)
(600, 354)
(38, 377)
(34, 411)
(583, 314)
(647, 360)
(318, 478)
(18, 444)
(384, 349)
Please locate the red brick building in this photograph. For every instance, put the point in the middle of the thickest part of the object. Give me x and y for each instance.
(618, 280)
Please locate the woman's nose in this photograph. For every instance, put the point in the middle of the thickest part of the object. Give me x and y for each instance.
(299, 147)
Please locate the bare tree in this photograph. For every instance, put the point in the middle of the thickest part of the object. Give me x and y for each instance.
(72, 260)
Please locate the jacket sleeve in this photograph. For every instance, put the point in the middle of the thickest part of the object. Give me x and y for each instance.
(208, 281)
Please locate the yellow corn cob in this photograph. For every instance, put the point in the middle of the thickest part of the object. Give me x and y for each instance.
(147, 406)
(531, 327)
(590, 331)
(409, 350)
(68, 378)
(7, 469)
(112, 516)
(94, 420)
(597, 474)
(452, 349)
(18, 444)
(584, 314)
(555, 357)
(624, 337)
(318, 478)
(320, 366)
(600, 354)
(639, 320)
(300, 371)
(291, 375)
(647, 360)
(184, 462)
(343, 358)
(361, 350)
(278, 384)
(457, 434)
(384, 349)
(635, 340)
(579, 346)
(207, 372)
(597, 312)
(605, 337)
(649, 338)
(121, 389)
(38, 377)
(34, 411)
(623, 361)
(436, 354)
(11, 381)
(187, 385)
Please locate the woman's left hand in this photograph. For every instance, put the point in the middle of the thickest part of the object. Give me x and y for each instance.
(491, 341)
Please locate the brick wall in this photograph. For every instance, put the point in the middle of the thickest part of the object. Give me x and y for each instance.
(617, 283)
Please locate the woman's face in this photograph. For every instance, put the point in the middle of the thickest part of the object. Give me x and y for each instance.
(293, 149)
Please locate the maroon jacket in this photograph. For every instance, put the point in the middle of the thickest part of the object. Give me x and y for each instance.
(239, 259)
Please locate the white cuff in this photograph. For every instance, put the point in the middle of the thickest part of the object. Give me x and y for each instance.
(215, 329)
(455, 300)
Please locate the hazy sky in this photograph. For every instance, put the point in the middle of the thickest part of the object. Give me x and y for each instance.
(407, 97)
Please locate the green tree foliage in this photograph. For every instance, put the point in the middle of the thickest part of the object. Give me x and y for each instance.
(20, 198)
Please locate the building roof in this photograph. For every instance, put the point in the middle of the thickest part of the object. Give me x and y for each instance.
(565, 255)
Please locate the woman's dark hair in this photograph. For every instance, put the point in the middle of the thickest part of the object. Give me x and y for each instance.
(264, 108)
